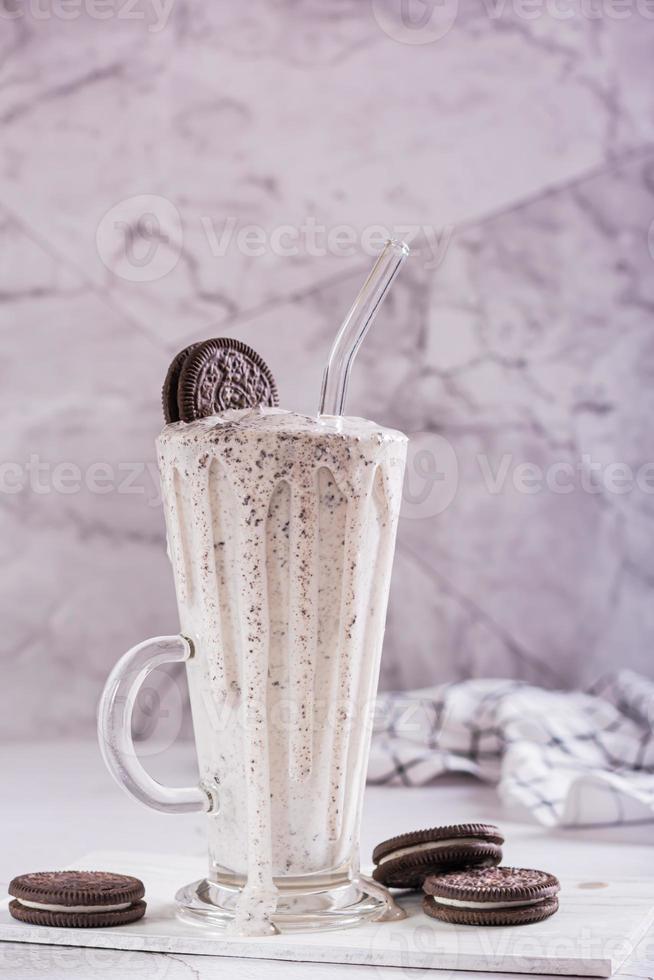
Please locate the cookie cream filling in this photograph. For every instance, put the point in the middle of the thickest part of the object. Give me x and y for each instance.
(459, 904)
(434, 845)
(45, 907)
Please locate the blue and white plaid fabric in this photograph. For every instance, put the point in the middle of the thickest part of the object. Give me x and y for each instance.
(569, 758)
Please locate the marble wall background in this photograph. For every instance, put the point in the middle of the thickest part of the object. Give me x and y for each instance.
(514, 141)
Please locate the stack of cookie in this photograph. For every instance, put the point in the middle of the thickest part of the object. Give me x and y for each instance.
(457, 868)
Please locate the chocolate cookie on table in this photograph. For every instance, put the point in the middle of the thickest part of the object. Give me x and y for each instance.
(491, 896)
(405, 861)
(214, 375)
(77, 899)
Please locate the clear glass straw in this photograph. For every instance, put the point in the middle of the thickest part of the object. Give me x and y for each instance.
(356, 325)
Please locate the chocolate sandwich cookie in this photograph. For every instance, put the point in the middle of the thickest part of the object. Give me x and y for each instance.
(216, 375)
(77, 899)
(171, 384)
(405, 861)
(491, 896)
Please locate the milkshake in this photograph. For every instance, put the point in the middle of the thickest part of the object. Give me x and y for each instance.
(281, 534)
(281, 531)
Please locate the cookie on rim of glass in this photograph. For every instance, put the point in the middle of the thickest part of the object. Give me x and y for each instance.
(222, 374)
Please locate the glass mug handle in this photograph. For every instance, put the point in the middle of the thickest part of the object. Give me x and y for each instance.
(115, 727)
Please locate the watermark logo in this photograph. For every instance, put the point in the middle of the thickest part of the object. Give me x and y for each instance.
(416, 943)
(140, 239)
(415, 21)
(431, 477)
(426, 21)
(159, 713)
(423, 943)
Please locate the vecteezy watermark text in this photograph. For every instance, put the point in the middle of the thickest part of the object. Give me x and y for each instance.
(314, 239)
(141, 238)
(432, 480)
(156, 13)
(44, 478)
(565, 476)
(433, 476)
(47, 959)
(568, 9)
(426, 21)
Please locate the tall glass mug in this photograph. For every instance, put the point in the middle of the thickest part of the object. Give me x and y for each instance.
(281, 532)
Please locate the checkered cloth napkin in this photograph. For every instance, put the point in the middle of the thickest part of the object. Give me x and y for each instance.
(570, 758)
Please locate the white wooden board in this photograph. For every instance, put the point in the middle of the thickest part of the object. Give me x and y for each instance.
(597, 927)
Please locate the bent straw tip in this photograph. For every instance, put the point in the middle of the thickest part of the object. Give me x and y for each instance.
(397, 246)
(356, 324)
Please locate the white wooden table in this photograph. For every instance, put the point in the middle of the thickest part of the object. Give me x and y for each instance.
(58, 803)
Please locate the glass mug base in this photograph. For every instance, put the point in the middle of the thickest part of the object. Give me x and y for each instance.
(308, 905)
